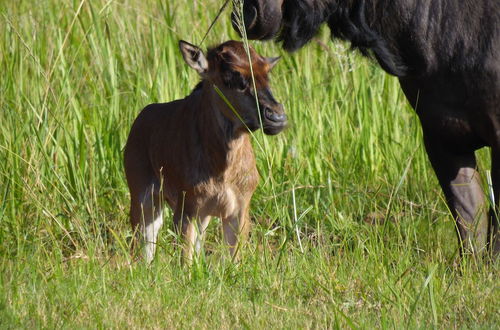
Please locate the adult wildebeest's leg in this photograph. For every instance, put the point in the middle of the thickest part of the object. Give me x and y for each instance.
(236, 229)
(494, 233)
(146, 217)
(460, 182)
(455, 170)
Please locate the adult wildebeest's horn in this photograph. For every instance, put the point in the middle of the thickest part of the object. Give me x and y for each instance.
(262, 18)
(251, 17)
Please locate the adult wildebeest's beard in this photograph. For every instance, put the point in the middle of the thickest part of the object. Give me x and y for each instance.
(296, 22)
(301, 21)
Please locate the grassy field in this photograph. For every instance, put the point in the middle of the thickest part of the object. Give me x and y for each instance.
(349, 178)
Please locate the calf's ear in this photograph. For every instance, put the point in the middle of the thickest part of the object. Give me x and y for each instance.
(193, 56)
(272, 61)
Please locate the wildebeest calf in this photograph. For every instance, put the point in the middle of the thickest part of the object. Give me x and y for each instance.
(196, 154)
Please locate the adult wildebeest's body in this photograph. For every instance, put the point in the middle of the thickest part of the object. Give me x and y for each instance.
(446, 54)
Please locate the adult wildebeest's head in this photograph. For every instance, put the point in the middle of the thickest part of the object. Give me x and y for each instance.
(295, 22)
(262, 18)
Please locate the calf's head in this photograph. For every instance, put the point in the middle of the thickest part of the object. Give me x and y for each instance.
(227, 67)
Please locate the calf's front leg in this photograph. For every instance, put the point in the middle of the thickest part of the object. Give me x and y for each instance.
(236, 228)
(192, 230)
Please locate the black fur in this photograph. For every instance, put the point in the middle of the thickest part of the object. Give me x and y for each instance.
(302, 20)
(351, 25)
(446, 54)
(404, 36)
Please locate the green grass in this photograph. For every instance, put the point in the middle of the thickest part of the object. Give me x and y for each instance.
(74, 74)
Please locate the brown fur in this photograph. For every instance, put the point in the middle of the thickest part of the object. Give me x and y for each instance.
(238, 61)
(191, 154)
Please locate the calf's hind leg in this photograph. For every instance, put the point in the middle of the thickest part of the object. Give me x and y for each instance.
(146, 217)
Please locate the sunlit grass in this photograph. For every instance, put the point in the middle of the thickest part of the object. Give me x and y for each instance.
(379, 248)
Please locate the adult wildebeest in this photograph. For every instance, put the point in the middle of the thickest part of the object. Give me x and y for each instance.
(446, 54)
(196, 154)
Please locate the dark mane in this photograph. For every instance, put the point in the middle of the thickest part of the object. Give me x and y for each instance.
(198, 87)
(350, 24)
(303, 18)
(301, 21)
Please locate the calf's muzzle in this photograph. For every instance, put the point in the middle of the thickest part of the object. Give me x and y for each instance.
(274, 119)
